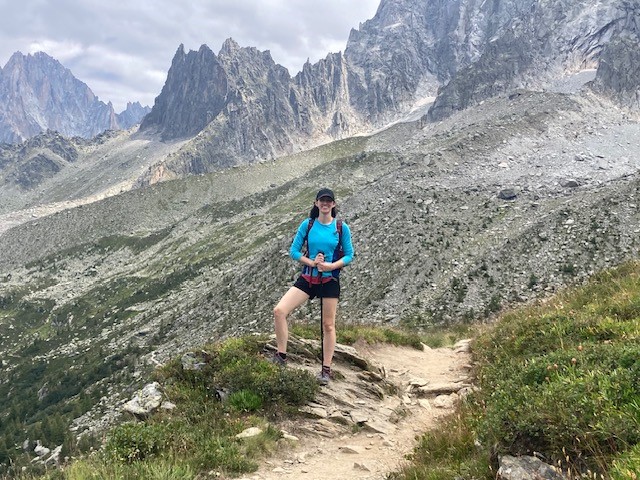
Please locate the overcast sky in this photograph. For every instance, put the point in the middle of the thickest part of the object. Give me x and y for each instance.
(123, 49)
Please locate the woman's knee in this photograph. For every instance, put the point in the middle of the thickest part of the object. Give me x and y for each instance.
(329, 325)
(279, 313)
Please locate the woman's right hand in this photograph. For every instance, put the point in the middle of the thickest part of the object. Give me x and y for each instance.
(319, 259)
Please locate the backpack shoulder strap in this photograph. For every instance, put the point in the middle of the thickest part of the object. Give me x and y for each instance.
(339, 252)
(305, 243)
(309, 225)
(306, 237)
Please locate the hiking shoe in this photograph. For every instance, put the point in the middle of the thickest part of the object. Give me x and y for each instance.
(278, 359)
(324, 377)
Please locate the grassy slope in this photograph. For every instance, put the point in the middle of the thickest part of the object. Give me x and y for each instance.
(561, 378)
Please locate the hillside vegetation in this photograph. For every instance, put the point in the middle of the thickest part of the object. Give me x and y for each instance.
(559, 380)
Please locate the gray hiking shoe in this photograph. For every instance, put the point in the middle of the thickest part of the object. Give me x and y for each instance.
(324, 377)
(278, 359)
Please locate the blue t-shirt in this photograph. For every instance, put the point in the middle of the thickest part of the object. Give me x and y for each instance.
(322, 238)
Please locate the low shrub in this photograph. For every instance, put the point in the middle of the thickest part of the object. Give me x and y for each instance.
(245, 401)
(237, 365)
(131, 442)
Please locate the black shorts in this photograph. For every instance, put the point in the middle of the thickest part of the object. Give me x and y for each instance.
(330, 289)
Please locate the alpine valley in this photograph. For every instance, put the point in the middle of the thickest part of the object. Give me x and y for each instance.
(483, 153)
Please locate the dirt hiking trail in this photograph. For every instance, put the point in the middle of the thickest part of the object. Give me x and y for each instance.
(361, 426)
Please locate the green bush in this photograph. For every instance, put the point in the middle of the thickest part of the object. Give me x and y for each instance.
(245, 401)
(447, 452)
(563, 379)
(627, 465)
(237, 365)
(199, 435)
(217, 452)
(131, 442)
(158, 469)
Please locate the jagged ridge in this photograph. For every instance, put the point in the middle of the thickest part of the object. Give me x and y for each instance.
(38, 94)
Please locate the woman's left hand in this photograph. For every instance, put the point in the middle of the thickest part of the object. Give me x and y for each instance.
(325, 267)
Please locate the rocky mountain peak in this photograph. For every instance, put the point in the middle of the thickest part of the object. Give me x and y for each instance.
(180, 53)
(37, 93)
(244, 63)
(229, 47)
(194, 94)
(222, 92)
(132, 115)
(390, 12)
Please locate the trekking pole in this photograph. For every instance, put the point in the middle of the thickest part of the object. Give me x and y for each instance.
(321, 319)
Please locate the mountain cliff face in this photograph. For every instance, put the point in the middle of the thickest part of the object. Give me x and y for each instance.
(619, 72)
(201, 83)
(37, 94)
(243, 107)
(532, 43)
(237, 101)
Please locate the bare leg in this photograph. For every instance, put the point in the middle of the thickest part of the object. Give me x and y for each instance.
(288, 303)
(329, 310)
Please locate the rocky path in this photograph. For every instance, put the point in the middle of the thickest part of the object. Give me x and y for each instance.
(365, 422)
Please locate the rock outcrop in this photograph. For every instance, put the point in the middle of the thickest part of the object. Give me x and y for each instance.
(527, 468)
(28, 164)
(147, 401)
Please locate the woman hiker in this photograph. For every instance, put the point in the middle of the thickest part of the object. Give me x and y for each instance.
(319, 276)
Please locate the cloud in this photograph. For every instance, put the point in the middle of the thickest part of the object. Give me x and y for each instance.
(123, 50)
(61, 51)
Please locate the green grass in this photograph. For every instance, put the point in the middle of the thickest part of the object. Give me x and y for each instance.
(447, 453)
(197, 439)
(372, 334)
(561, 379)
(627, 465)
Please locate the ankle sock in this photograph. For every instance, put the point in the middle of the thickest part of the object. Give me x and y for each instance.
(326, 369)
(282, 355)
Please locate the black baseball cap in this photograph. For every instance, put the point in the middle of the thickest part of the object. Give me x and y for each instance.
(326, 192)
